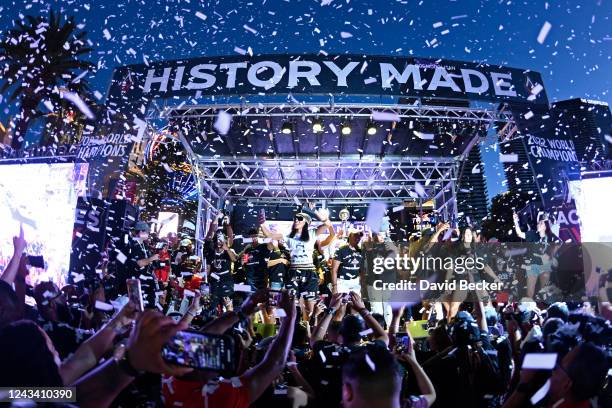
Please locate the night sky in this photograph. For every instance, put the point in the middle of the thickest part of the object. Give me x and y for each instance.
(575, 58)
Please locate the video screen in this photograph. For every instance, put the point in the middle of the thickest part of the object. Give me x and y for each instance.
(593, 197)
(196, 350)
(42, 198)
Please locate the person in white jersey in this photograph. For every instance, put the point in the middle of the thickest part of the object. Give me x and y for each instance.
(301, 243)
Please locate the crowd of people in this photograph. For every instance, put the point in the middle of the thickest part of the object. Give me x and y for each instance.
(301, 325)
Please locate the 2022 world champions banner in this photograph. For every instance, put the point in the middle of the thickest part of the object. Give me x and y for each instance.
(318, 74)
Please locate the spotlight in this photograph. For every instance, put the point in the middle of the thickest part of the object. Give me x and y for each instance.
(371, 128)
(317, 126)
(287, 128)
(346, 128)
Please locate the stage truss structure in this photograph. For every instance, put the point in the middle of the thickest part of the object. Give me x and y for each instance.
(289, 177)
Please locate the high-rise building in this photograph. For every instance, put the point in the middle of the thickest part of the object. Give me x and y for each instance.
(586, 122)
(472, 189)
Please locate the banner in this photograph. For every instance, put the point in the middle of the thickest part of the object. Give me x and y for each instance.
(88, 238)
(331, 74)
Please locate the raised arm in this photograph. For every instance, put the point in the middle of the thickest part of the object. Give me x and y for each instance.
(269, 234)
(221, 324)
(321, 329)
(100, 387)
(425, 385)
(19, 245)
(517, 227)
(261, 376)
(359, 306)
(91, 351)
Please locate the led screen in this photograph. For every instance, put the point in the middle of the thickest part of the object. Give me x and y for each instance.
(42, 198)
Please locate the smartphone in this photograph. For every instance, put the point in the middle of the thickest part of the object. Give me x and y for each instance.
(274, 297)
(135, 293)
(201, 351)
(540, 361)
(418, 329)
(36, 261)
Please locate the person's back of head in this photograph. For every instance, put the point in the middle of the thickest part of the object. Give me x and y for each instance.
(371, 377)
(351, 329)
(581, 374)
(27, 358)
(8, 304)
(559, 310)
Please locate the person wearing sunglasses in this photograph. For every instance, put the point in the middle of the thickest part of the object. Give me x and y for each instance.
(301, 242)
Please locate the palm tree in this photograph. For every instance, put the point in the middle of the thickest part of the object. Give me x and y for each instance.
(38, 58)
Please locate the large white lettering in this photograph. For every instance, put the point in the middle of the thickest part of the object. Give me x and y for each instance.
(162, 80)
(196, 72)
(314, 69)
(441, 77)
(499, 84)
(341, 74)
(469, 86)
(388, 73)
(277, 74)
(231, 72)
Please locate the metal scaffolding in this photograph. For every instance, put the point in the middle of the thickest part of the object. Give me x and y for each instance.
(255, 163)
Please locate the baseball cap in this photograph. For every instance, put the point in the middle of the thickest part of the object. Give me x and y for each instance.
(142, 226)
(307, 217)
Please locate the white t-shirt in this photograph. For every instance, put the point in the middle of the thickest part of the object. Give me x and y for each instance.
(301, 252)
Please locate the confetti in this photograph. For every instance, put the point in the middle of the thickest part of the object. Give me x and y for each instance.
(223, 122)
(201, 15)
(508, 158)
(385, 116)
(544, 32)
(105, 307)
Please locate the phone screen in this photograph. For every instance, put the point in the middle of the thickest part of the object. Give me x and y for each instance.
(36, 261)
(199, 350)
(273, 297)
(135, 293)
(540, 361)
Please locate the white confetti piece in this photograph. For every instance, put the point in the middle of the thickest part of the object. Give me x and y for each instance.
(528, 115)
(369, 80)
(385, 116)
(107, 34)
(239, 50)
(438, 24)
(201, 15)
(240, 287)
(223, 122)
(48, 105)
(374, 217)
(423, 136)
(370, 363)
(345, 34)
(398, 208)
(78, 102)
(105, 307)
(366, 332)
(121, 257)
(476, 169)
(322, 355)
(544, 32)
(608, 138)
(508, 158)
(214, 276)
(418, 187)
(249, 29)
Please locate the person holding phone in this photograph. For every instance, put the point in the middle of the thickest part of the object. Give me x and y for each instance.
(219, 262)
(301, 243)
(139, 262)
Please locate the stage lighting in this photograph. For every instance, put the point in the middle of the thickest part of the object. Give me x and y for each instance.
(287, 128)
(371, 128)
(346, 129)
(317, 126)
